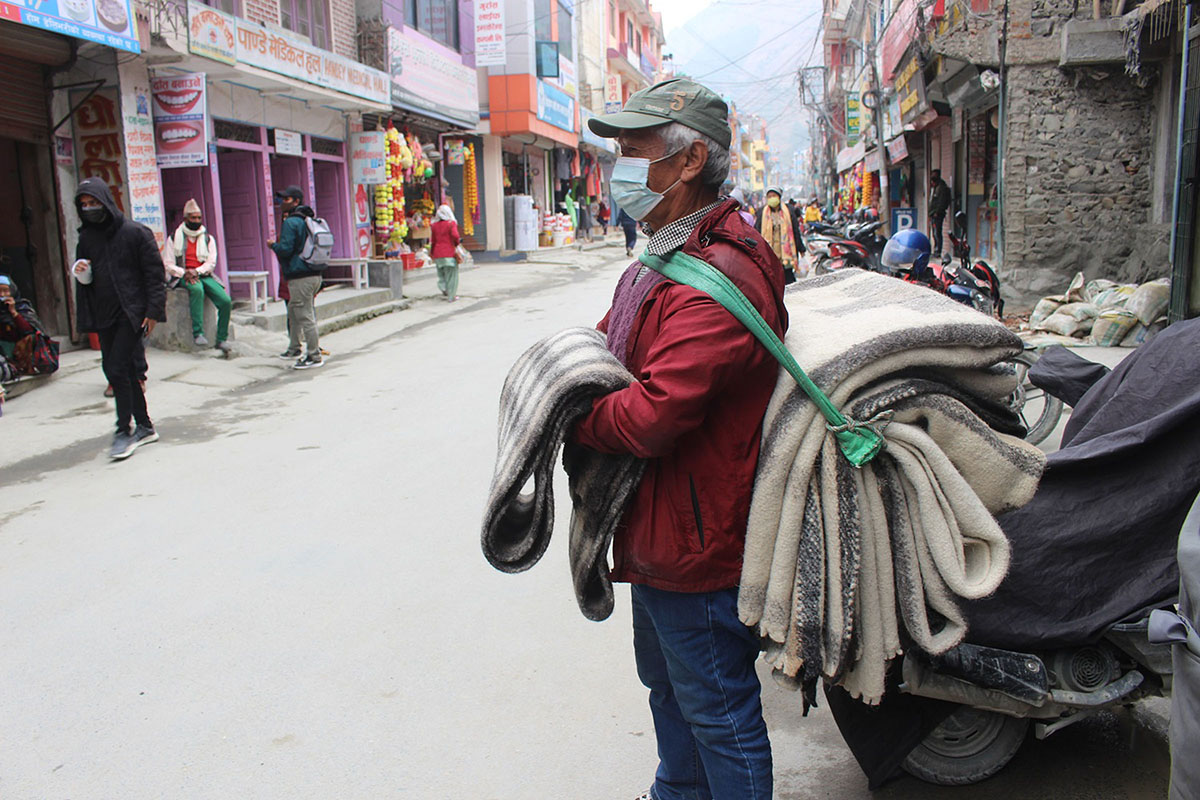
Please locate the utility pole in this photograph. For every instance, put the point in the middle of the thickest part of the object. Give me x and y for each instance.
(818, 106)
(885, 199)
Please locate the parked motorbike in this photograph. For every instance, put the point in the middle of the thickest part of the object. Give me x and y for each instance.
(860, 246)
(906, 255)
(960, 249)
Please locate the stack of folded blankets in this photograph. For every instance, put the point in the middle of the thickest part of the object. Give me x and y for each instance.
(838, 560)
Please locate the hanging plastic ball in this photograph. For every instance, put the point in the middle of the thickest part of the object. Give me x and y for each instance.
(429, 172)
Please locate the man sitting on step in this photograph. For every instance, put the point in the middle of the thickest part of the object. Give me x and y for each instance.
(190, 255)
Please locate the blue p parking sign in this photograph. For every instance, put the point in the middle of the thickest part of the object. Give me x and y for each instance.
(903, 218)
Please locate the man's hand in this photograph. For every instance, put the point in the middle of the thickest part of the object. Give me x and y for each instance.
(148, 325)
(190, 276)
(82, 265)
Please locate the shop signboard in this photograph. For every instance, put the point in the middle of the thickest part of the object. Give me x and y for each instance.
(910, 90)
(109, 22)
(288, 143)
(180, 111)
(612, 94)
(852, 118)
(427, 77)
(566, 75)
(490, 46)
(897, 36)
(903, 218)
(897, 150)
(99, 142)
(956, 121)
(555, 107)
(585, 133)
(282, 52)
(143, 189)
(368, 157)
(211, 33)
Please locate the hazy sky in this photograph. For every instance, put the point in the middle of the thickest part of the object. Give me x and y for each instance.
(677, 12)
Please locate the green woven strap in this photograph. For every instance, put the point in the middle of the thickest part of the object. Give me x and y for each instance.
(858, 441)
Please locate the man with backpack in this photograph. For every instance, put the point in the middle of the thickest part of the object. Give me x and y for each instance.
(302, 275)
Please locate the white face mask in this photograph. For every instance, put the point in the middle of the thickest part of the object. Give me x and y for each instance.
(629, 185)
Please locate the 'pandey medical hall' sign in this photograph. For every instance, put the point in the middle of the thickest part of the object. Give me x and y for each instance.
(109, 22)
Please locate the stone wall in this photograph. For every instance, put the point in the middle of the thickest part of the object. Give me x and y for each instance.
(1078, 183)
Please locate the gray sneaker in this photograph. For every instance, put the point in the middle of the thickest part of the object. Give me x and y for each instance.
(144, 435)
(224, 347)
(290, 353)
(123, 446)
(200, 341)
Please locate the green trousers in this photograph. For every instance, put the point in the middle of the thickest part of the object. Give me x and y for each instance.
(447, 269)
(208, 285)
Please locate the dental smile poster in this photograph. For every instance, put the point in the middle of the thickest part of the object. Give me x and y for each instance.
(180, 120)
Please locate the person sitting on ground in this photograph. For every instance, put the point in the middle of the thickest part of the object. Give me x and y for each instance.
(190, 256)
(19, 326)
(443, 249)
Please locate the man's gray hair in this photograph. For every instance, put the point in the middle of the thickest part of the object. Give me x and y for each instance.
(677, 136)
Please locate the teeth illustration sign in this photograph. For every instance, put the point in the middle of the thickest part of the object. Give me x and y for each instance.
(180, 120)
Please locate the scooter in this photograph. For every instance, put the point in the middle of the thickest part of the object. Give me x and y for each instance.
(961, 285)
(861, 247)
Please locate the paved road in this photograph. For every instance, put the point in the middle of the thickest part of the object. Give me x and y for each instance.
(285, 597)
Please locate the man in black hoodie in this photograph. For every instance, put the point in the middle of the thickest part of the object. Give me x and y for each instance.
(119, 295)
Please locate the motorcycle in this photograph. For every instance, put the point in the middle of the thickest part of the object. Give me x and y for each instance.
(861, 246)
(947, 278)
(1044, 652)
(960, 249)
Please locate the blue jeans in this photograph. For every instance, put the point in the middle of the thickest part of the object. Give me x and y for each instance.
(697, 659)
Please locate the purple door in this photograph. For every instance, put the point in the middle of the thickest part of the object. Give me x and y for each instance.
(178, 186)
(333, 203)
(242, 209)
(289, 171)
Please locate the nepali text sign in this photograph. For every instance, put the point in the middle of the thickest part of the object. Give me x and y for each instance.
(211, 33)
(180, 111)
(288, 143)
(555, 107)
(901, 30)
(490, 47)
(852, 118)
(143, 188)
(612, 94)
(99, 142)
(368, 157)
(426, 77)
(910, 90)
(281, 52)
(109, 22)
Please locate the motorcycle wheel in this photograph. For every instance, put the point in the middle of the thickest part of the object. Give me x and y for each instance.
(1039, 411)
(969, 746)
(822, 266)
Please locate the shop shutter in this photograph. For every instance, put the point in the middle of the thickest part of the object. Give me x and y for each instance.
(23, 101)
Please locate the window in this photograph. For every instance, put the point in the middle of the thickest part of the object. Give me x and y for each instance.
(638, 40)
(437, 19)
(308, 18)
(628, 33)
(228, 6)
(543, 29)
(565, 32)
(612, 18)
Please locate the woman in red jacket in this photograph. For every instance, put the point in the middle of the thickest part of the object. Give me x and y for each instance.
(443, 240)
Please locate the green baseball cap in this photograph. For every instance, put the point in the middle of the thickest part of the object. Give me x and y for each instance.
(677, 100)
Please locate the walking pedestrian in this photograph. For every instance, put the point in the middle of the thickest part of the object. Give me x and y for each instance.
(443, 249)
(190, 255)
(782, 232)
(603, 217)
(739, 197)
(303, 282)
(120, 296)
(939, 203)
(629, 225)
(694, 412)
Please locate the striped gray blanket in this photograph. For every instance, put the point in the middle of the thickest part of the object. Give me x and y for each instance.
(836, 558)
(549, 387)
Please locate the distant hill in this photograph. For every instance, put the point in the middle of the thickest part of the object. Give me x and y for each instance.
(745, 50)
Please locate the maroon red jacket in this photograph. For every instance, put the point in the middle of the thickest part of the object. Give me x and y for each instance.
(443, 238)
(695, 411)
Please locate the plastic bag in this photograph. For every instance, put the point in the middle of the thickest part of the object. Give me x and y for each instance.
(1065, 325)
(1139, 334)
(1111, 327)
(462, 255)
(1044, 308)
(1150, 300)
(1115, 296)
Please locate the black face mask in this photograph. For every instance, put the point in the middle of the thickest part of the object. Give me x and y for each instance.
(93, 216)
(194, 226)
